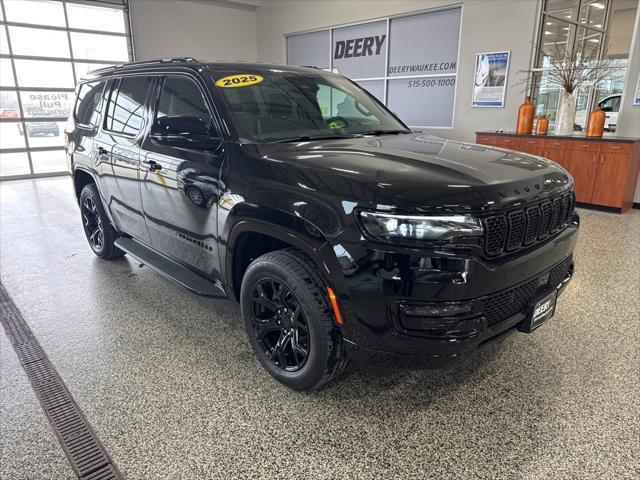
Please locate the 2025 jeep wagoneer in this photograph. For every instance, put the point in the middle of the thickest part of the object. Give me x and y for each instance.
(338, 229)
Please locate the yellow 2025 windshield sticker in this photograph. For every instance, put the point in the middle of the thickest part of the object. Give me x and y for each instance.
(242, 80)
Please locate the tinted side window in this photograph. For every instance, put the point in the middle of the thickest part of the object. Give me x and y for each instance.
(611, 105)
(616, 104)
(88, 103)
(181, 97)
(125, 109)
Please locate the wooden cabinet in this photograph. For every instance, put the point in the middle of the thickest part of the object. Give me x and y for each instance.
(534, 146)
(605, 171)
(486, 140)
(512, 143)
(558, 155)
(583, 167)
(610, 179)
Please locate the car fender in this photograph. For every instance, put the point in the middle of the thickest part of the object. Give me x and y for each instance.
(285, 227)
(82, 168)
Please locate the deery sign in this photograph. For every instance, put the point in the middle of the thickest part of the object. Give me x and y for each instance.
(359, 47)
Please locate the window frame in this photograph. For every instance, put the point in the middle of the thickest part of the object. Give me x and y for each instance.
(78, 123)
(155, 108)
(575, 25)
(206, 94)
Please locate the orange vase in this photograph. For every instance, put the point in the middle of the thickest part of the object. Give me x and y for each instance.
(525, 117)
(595, 127)
(542, 127)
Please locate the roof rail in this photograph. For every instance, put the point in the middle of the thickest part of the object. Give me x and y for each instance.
(158, 60)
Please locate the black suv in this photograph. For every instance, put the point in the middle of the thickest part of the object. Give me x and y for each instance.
(338, 229)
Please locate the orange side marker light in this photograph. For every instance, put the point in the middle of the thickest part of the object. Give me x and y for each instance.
(334, 305)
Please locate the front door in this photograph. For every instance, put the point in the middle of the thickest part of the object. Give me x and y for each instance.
(122, 131)
(179, 184)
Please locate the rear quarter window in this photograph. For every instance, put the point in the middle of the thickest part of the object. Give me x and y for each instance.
(88, 103)
(125, 108)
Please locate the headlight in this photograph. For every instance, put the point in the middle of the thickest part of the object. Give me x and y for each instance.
(386, 226)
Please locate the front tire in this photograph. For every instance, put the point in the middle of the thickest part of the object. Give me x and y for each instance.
(289, 322)
(99, 232)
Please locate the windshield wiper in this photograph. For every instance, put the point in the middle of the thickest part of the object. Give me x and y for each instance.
(384, 132)
(309, 138)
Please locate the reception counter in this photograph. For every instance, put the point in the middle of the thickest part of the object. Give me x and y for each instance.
(605, 169)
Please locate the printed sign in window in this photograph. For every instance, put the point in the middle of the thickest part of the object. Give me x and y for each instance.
(423, 101)
(360, 51)
(425, 44)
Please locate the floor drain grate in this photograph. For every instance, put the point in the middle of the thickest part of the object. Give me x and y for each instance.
(85, 452)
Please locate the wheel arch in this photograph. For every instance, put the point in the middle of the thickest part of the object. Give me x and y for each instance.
(82, 178)
(256, 231)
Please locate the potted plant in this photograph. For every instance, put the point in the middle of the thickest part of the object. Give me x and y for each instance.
(568, 72)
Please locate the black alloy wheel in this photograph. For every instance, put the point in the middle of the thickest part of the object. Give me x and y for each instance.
(289, 321)
(196, 196)
(98, 229)
(92, 223)
(279, 324)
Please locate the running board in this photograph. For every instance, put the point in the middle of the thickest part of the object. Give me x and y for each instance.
(170, 268)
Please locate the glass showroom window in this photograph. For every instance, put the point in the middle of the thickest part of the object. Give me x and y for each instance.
(380, 56)
(46, 46)
(598, 29)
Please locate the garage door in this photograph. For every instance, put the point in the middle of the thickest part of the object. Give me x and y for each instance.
(45, 48)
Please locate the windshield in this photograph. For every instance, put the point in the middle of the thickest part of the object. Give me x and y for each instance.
(273, 106)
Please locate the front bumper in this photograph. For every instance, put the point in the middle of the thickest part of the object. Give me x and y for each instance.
(488, 299)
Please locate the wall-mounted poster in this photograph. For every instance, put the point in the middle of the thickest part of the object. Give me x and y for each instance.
(636, 97)
(490, 79)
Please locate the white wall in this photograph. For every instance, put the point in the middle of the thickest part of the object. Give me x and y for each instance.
(629, 116)
(207, 30)
(487, 25)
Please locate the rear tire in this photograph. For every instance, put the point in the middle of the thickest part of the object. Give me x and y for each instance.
(288, 321)
(99, 232)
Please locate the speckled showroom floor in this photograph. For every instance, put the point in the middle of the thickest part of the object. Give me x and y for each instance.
(168, 381)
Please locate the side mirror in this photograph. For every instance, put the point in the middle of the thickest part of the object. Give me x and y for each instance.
(186, 131)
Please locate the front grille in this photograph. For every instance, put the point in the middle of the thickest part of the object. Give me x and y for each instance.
(505, 304)
(519, 228)
(496, 233)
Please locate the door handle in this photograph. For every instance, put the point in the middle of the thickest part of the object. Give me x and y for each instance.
(152, 165)
(102, 151)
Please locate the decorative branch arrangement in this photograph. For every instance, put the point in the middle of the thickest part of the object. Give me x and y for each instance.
(570, 71)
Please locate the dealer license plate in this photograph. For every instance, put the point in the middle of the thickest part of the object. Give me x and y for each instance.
(539, 312)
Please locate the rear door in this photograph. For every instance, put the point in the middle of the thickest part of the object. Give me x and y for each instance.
(180, 186)
(123, 128)
(83, 131)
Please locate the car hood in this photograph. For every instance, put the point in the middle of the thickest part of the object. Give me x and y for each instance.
(416, 172)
